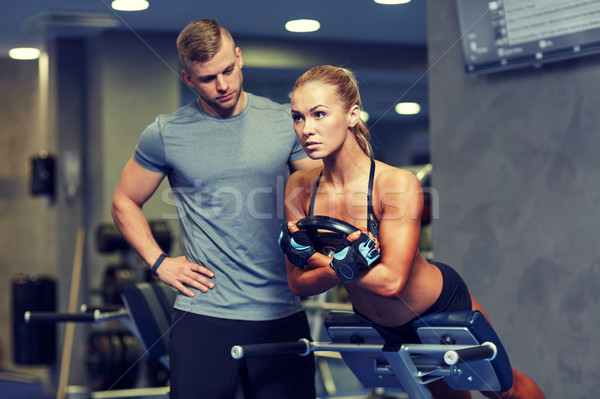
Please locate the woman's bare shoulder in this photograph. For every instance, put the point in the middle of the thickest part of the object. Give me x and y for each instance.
(398, 193)
(391, 176)
(297, 193)
(304, 178)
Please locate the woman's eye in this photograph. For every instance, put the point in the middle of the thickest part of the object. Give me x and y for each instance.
(319, 114)
(296, 118)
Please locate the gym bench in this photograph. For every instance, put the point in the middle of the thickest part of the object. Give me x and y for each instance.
(459, 347)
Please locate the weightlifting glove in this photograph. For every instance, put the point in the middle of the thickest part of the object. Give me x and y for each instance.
(352, 258)
(298, 247)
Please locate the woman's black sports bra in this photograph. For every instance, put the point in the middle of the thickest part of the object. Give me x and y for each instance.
(372, 221)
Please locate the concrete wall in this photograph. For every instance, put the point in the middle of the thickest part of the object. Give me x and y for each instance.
(516, 166)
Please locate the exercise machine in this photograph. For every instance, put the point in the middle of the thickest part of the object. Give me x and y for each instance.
(138, 341)
(146, 314)
(459, 347)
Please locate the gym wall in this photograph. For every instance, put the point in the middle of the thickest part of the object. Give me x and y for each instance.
(27, 242)
(516, 163)
(98, 104)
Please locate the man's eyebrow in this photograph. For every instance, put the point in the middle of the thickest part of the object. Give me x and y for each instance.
(229, 66)
(212, 76)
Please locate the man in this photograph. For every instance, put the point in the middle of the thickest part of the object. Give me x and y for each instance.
(227, 157)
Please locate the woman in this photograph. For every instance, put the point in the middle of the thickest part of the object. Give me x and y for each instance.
(386, 277)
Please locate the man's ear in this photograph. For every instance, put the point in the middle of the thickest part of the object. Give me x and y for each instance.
(187, 78)
(238, 55)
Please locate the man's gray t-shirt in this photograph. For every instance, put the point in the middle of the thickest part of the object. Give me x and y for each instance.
(228, 178)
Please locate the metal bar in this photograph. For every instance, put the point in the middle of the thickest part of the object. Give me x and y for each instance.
(407, 373)
(88, 317)
(485, 351)
(51, 317)
(300, 347)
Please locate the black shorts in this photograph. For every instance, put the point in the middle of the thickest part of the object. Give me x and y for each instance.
(202, 366)
(454, 296)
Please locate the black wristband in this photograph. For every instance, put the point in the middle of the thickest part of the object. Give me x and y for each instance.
(157, 263)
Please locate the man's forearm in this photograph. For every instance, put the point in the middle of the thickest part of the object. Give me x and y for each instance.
(131, 222)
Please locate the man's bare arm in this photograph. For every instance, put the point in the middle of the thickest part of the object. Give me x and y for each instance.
(135, 187)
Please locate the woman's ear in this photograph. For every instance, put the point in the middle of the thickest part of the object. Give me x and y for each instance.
(353, 115)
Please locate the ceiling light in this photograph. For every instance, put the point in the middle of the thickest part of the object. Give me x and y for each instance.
(24, 53)
(302, 25)
(407, 108)
(130, 5)
(391, 2)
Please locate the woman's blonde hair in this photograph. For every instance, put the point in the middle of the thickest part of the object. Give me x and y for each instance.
(346, 88)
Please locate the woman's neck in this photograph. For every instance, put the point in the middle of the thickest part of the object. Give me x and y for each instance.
(344, 169)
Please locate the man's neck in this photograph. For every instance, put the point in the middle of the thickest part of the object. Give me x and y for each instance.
(225, 113)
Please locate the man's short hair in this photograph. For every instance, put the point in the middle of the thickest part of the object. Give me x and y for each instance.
(200, 41)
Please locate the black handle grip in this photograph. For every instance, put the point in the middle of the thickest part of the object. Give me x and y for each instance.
(485, 351)
(50, 317)
(300, 347)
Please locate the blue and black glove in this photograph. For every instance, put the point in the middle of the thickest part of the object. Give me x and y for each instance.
(298, 247)
(352, 258)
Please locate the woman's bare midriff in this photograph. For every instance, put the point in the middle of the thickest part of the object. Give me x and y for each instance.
(423, 289)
